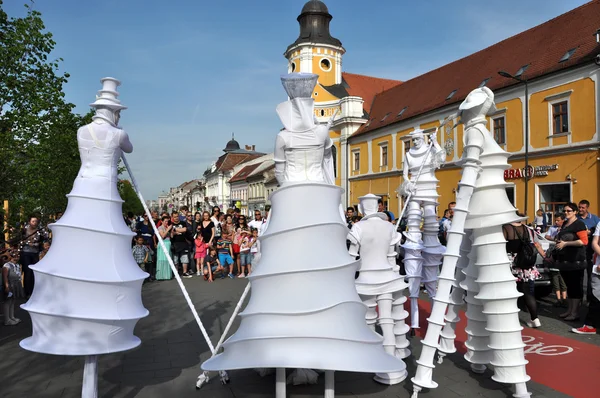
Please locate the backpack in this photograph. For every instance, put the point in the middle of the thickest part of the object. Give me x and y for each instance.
(527, 255)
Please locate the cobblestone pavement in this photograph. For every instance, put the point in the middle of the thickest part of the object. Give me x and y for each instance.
(167, 363)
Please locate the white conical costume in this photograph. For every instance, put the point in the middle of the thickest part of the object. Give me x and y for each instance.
(90, 307)
(304, 312)
(87, 297)
(422, 257)
(378, 284)
(482, 207)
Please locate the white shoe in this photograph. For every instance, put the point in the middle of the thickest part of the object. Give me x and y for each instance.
(535, 323)
(198, 273)
(10, 322)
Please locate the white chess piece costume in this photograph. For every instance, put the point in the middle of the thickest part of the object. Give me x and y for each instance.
(422, 256)
(378, 284)
(482, 207)
(87, 297)
(304, 312)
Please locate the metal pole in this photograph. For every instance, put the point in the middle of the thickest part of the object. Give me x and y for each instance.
(526, 147)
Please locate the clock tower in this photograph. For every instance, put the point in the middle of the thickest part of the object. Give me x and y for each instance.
(315, 50)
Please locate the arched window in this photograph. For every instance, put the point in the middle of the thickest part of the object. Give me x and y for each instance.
(334, 156)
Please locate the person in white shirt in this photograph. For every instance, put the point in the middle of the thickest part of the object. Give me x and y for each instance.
(258, 222)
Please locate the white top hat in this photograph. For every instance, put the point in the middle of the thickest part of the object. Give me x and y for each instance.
(107, 97)
(477, 97)
(299, 85)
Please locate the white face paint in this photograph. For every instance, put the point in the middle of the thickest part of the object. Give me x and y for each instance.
(418, 141)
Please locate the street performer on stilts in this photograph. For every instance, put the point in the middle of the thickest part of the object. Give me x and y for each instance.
(482, 207)
(423, 251)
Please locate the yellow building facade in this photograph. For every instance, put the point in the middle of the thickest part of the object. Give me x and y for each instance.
(564, 165)
(559, 114)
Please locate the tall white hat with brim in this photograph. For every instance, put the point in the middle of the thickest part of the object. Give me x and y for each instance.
(107, 97)
(417, 133)
(479, 97)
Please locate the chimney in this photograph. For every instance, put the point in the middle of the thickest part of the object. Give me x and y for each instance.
(253, 146)
(248, 147)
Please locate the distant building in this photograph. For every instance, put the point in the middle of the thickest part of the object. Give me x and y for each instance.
(217, 176)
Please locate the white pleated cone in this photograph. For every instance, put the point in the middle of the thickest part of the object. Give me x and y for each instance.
(498, 293)
(304, 311)
(87, 295)
(489, 203)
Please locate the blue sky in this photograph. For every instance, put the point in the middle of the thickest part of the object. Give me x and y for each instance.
(193, 72)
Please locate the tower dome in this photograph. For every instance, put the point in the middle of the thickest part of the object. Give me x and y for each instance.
(314, 25)
(232, 145)
(315, 6)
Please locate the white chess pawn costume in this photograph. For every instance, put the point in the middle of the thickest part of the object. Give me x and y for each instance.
(90, 307)
(378, 284)
(422, 257)
(482, 207)
(304, 312)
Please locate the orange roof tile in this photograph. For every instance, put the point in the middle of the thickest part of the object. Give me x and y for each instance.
(228, 161)
(540, 47)
(367, 87)
(243, 173)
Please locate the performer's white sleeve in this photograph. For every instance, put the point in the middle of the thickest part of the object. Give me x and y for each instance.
(279, 158)
(354, 238)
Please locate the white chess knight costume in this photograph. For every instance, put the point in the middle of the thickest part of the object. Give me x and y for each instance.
(422, 256)
(378, 284)
(482, 207)
(90, 307)
(304, 312)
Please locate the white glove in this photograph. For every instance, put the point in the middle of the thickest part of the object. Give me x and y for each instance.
(408, 188)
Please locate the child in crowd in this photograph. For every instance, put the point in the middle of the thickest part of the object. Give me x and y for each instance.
(212, 265)
(141, 252)
(254, 248)
(12, 287)
(45, 248)
(201, 248)
(225, 254)
(246, 242)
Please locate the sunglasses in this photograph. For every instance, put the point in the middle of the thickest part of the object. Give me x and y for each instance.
(569, 211)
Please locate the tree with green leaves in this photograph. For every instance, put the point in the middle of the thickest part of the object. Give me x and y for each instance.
(131, 200)
(39, 158)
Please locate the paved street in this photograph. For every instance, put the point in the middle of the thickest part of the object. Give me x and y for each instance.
(167, 363)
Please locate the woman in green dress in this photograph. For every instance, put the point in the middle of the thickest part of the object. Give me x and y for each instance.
(163, 269)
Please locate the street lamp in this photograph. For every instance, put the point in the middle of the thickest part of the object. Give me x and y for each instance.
(509, 76)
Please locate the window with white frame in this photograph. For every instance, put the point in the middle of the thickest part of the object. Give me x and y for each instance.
(356, 161)
(499, 125)
(383, 155)
(560, 117)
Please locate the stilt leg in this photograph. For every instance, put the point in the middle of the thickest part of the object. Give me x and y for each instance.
(90, 377)
(329, 384)
(400, 327)
(386, 323)
(280, 383)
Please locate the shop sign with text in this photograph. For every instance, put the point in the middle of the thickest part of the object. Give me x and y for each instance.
(538, 171)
